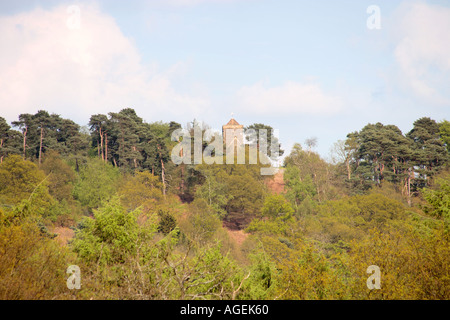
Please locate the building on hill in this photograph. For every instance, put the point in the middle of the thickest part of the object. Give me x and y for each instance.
(235, 133)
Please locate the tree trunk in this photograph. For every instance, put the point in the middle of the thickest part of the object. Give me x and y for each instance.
(409, 187)
(134, 159)
(25, 142)
(347, 162)
(381, 171)
(162, 171)
(122, 153)
(40, 146)
(106, 147)
(182, 174)
(101, 144)
(163, 177)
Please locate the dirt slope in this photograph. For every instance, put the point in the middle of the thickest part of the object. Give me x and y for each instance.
(276, 184)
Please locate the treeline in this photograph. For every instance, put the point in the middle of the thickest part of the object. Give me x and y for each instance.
(380, 153)
(109, 199)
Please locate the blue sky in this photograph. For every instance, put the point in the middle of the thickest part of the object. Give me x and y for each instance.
(307, 68)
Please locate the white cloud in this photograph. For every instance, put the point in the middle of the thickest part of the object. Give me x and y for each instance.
(45, 64)
(422, 50)
(288, 98)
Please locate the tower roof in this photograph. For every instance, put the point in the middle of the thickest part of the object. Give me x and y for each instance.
(232, 122)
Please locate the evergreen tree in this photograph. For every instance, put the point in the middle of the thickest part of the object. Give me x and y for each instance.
(274, 150)
(430, 154)
(9, 140)
(24, 123)
(444, 132)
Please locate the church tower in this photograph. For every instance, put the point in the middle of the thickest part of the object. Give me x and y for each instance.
(234, 131)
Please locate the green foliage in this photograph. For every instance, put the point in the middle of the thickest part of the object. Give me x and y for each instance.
(19, 178)
(273, 145)
(261, 281)
(215, 194)
(142, 240)
(246, 194)
(444, 132)
(97, 182)
(298, 189)
(32, 266)
(202, 224)
(235, 189)
(141, 189)
(382, 153)
(38, 205)
(339, 221)
(43, 131)
(439, 202)
(167, 222)
(308, 175)
(60, 176)
(109, 236)
(429, 150)
(276, 206)
(412, 266)
(308, 275)
(9, 140)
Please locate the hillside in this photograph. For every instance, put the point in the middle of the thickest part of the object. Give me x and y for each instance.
(140, 226)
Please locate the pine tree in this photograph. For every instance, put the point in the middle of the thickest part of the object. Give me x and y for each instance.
(9, 140)
(430, 153)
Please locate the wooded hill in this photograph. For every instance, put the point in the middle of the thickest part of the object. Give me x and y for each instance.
(141, 227)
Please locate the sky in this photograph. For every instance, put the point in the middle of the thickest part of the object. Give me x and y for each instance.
(309, 69)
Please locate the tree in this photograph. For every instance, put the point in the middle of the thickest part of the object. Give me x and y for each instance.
(60, 176)
(444, 132)
(310, 166)
(97, 124)
(43, 131)
(298, 188)
(382, 153)
(344, 152)
(246, 194)
(109, 236)
(201, 224)
(274, 150)
(24, 122)
(141, 189)
(438, 202)
(429, 150)
(276, 206)
(167, 222)
(32, 266)
(43, 123)
(214, 193)
(311, 143)
(97, 182)
(77, 143)
(126, 127)
(19, 179)
(9, 140)
(4, 135)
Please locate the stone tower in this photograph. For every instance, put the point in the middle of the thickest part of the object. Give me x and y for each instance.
(235, 132)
